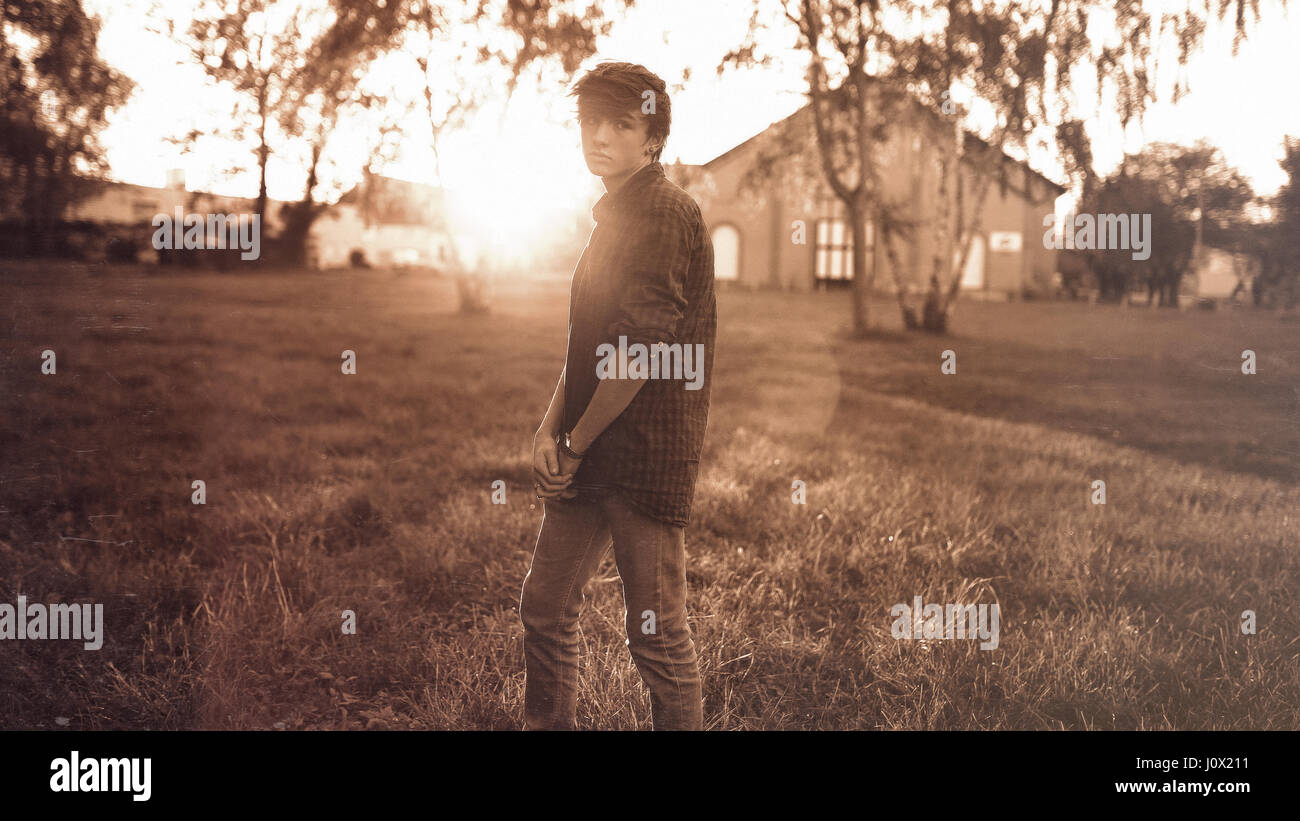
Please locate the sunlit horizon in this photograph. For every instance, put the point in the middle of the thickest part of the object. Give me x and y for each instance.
(533, 164)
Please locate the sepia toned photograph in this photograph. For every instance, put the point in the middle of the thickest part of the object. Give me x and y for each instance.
(698, 365)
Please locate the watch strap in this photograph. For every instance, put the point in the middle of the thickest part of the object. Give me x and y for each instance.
(563, 443)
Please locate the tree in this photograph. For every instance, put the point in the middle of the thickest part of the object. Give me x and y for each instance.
(1276, 244)
(1172, 239)
(1006, 65)
(302, 67)
(537, 32)
(254, 47)
(57, 95)
(1194, 198)
(1287, 206)
(323, 92)
(297, 67)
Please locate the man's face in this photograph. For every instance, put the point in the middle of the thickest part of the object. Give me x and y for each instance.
(615, 145)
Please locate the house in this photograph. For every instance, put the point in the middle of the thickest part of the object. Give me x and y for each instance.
(1220, 275)
(123, 203)
(758, 220)
(132, 208)
(386, 221)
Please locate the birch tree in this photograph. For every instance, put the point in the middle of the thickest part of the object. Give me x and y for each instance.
(992, 78)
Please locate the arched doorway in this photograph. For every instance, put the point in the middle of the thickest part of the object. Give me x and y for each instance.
(726, 253)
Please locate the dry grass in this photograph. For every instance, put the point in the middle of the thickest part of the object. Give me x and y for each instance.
(371, 493)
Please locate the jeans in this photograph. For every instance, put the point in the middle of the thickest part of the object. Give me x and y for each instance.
(651, 559)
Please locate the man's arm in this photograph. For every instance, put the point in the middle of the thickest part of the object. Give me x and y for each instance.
(555, 411)
(611, 398)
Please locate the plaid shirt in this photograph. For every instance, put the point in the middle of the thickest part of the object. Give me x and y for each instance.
(646, 274)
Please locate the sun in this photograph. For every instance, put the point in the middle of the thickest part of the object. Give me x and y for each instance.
(514, 184)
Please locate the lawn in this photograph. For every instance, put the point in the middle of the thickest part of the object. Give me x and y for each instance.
(371, 492)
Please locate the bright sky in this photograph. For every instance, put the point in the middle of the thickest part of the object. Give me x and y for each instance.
(1244, 105)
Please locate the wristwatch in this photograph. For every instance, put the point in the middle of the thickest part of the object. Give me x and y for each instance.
(566, 446)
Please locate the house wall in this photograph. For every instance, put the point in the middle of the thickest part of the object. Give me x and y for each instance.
(334, 235)
(340, 230)
(126, 203)
(724, 204)
(1217, 273)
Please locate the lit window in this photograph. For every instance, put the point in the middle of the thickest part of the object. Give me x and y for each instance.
(834, 254)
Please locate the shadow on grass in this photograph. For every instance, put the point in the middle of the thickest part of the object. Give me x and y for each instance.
(1183, 409)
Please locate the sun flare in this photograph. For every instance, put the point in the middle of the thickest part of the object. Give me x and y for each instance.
(516, 183)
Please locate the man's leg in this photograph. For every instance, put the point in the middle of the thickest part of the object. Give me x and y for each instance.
(572, 539)
(651, 557)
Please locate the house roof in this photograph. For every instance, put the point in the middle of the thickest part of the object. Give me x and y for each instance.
(398, 202)
(145, 195)
(739, 148)
(105, 184)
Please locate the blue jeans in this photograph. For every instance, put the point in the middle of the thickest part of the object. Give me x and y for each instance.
(651, 559)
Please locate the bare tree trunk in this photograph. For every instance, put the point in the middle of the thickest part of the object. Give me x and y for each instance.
(942, 259)
(471, 288)
(303, 214)
(1171, 287)
(896, 269)
(263, 152)
(968, 239)
(862, 281)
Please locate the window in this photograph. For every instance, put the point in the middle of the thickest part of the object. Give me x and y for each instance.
(834, 258)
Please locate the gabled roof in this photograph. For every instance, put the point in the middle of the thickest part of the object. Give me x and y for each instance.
(736, 149)
(807, 107)
(101, 185)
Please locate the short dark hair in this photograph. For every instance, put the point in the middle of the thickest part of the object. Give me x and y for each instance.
(612, 89)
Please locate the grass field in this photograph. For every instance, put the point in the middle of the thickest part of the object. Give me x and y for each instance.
(371, 492)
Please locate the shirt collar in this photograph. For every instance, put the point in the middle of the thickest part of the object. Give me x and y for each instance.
(617, 201)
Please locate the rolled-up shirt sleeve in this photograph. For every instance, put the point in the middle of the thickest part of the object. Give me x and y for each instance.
(651, 300)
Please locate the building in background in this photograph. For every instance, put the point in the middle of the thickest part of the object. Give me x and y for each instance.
(754, 225)
(383, 221)
(130, 208)
(1219, 274)
(389, 222)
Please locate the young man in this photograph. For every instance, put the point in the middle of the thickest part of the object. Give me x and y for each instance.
(616, 456)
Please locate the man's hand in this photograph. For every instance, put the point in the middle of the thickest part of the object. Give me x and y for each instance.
(550, 479)
(567, 463)
(568, 467)
(568, 494)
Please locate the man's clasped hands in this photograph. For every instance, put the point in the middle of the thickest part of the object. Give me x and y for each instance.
(553, 470)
